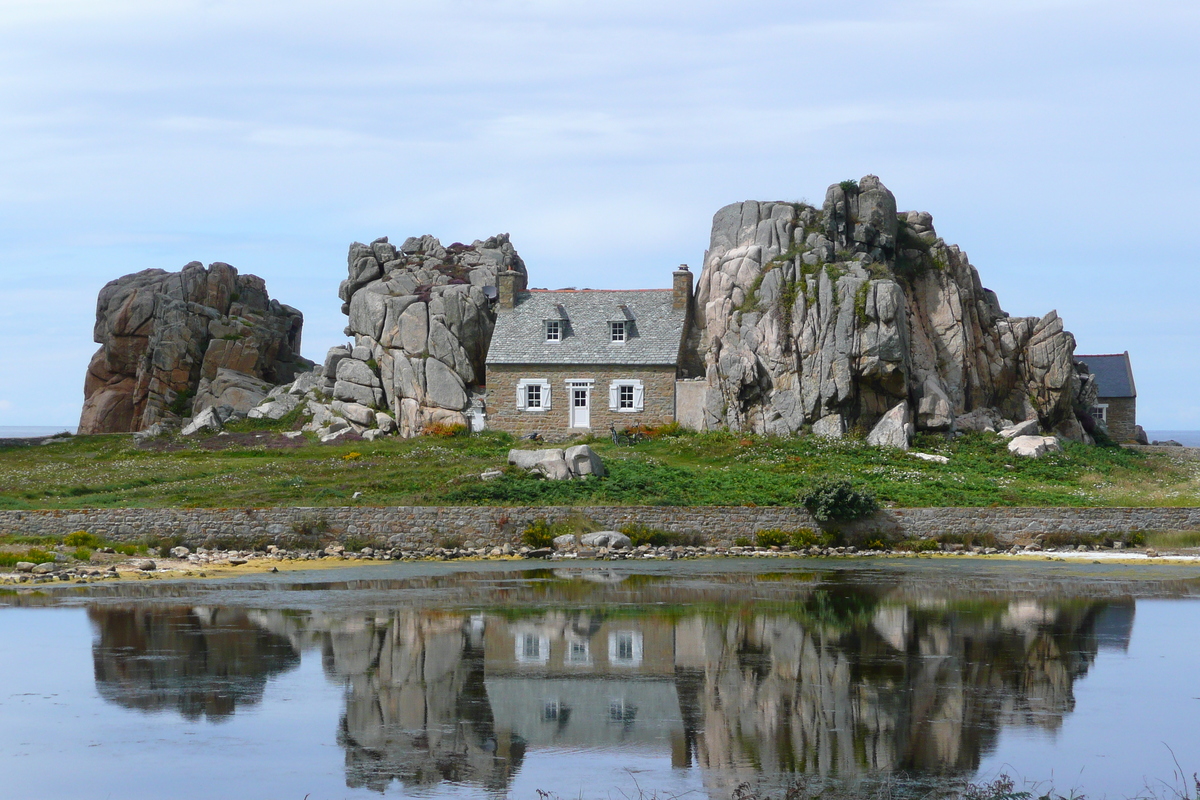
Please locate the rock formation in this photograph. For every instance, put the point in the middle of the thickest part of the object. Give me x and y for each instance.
(421, 324)
(175, 343)
(827, 318)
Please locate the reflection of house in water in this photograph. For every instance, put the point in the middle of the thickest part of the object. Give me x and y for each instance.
(201, 662)
(581, 680)
(852, 686)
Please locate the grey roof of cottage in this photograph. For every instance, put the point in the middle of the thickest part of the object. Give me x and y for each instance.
(657, 330)
(1114, 374)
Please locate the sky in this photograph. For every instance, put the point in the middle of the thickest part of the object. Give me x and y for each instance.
(1053, 140)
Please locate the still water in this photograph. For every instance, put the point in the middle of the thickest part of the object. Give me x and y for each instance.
(496, 680)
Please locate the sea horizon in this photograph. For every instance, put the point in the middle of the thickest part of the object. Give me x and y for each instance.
(28, 431)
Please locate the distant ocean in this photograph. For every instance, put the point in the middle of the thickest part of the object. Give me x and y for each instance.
(1185, 438)
(24, 431)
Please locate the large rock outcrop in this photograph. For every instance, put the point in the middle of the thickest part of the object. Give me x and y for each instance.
(827, 318)
(421, 324)
(174, 343)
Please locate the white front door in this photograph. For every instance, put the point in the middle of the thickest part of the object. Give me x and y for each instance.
(581, 406)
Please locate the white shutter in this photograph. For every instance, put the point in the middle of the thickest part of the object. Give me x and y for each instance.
(639, 396)
(521, 394)
(614, 396)
(545, 394)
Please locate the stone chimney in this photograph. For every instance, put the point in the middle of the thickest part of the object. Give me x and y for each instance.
(508, 285)
(682, 288)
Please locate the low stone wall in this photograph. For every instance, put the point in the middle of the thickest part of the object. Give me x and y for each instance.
(422, 526)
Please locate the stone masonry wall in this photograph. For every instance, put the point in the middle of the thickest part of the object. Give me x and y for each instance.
(423, 526)
(1122, 418)
(503, 414)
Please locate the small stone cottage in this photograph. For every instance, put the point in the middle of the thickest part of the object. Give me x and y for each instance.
(572, 361)
(1116, 406)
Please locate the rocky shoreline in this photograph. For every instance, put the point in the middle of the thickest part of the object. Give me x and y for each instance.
(181, 562)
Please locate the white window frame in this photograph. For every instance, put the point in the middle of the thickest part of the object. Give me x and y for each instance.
(618, 331)
(531, 647)
(1102, 417)
(554, 330)
(639, 395)
(634, 641)
(523, 386)
(579, 652)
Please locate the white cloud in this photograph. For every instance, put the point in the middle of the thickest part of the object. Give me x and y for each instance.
(602, 136)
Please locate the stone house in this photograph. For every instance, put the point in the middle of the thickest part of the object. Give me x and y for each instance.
(571, 361)
(1116, 405)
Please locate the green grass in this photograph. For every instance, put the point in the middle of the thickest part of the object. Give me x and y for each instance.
(717, 468)
(1168, 540)
(33, 555)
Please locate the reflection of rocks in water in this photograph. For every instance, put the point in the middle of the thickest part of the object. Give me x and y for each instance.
(885, 690)
(840, 681)
(200, 662)
(416, 707)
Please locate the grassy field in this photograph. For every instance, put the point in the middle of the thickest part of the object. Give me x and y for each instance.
(255, 466)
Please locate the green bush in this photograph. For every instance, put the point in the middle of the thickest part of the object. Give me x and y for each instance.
(807, 537)
(839, 500)
(654, 537)
(82, 554)
(35, 556)
(538, 534)
(82, 539)
(772, 538)
(743, 541)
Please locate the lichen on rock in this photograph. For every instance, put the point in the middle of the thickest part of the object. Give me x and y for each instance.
(420, 323)
(825, 319)
(176, 343)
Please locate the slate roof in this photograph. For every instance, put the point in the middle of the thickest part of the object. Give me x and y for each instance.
(1114, 375)
(657, 329)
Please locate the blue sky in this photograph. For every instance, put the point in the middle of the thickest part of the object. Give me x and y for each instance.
(1053, 140)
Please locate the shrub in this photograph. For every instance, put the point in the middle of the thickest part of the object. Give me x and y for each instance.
(538, 534)
(772, 538)
(839, 500)
(82, 554)
(807, 537)
(35, 556)
(743, 541)
(645, 535)
(919, 545)
(182, 402)
(445, 431)
(310, 525)
(452, 543)
(82, 539)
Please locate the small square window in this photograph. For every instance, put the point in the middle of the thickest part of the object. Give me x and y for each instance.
(618, 331)
(625, 400)
(553, 330)
(533, 395)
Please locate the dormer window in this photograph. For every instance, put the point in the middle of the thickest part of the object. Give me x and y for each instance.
(618, 330)
(554, 330)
